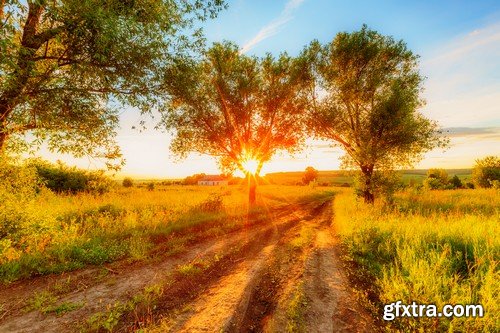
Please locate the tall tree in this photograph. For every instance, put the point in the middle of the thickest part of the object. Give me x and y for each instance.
(369, 104)
(238, 108)
(66, 66)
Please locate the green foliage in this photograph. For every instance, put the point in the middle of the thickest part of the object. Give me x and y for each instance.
(63, 179)
(486, 171)
(437, 179)
(213, 204)
(127, 182)
(441, 248)
(310, 175)
(193, 180)
(19, 221)
(371, 105)
(66, 61)
(456, 182)
(237, 107)
(380, 183)
(150, 186)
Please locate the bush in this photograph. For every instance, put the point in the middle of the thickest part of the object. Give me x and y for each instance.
(211, 205)
(456, 182)
(193, 180)
(151, 186)
(486, 171)
(437, 179)
(310, 175)
(63, 179)
(128, 182)
(21, 222)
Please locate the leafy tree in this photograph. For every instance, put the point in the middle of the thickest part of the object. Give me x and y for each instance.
(63, 179)
(237, 108)
(127, 182)
(150, 186)
(310, 175)
(193, 180)
(486, 171)
(66, 66)
(369, 104)
(437, 179)
(456, 182)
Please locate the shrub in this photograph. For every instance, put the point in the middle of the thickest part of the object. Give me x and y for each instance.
(63, 179)
(456, 182)
(212, 204)
(21, 223)
(437, 179)
(151, 186)
(310, 175)
(486, 171)
(193, 180)
(127, 182)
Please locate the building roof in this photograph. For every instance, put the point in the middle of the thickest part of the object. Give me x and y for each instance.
(213, 178)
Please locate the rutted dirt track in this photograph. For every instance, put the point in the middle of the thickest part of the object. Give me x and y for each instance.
(280, 275)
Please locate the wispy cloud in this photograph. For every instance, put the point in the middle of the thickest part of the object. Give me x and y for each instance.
(463, 86)
(474, 132)
(274, 26)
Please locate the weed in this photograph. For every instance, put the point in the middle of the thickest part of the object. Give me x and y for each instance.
(63, 308)
(296, 310)
(41, 301)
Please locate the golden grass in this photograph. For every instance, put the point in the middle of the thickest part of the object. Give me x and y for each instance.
(65, 232)
(433, 247)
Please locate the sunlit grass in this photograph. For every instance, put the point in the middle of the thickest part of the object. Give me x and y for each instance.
(66, 232)
(432, 248)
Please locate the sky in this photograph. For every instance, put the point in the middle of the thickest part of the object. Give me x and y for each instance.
(459, 47)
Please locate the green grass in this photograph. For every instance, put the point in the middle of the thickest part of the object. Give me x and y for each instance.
(340, 178)
(56, 233)
(435, 247)
(296, 310)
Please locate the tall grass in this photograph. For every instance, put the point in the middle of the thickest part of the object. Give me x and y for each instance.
(62, 232)
(435, 247)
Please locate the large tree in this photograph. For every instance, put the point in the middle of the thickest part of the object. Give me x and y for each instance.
(368, 101)
(237, 108)
(66, 66)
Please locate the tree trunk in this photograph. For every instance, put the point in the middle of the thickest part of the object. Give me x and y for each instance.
(252, 189)
(3, 139)
(368, 195)
(3, 136)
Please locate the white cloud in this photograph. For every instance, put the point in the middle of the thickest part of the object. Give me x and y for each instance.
(463, 86)
(274, 26)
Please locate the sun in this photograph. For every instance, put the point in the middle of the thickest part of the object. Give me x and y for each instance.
(250, 166)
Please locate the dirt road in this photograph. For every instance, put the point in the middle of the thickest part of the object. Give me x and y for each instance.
(283, 274)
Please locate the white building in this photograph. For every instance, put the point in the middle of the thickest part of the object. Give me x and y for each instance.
(213, 180)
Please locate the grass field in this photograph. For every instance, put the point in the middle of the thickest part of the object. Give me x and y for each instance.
(66, 232)
(339, 178)
(428, 247)
(432, 248)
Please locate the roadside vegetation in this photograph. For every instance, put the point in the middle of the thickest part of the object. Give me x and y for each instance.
(43, 232)
(431, 247)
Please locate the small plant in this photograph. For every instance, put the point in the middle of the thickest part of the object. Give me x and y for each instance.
(212, 204)
(190, 269)
(150, 186)
(64, 308)
(127, 182)
(42, 301)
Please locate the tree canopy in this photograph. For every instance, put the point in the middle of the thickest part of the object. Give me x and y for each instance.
(370, 95)
(486, 172)
(237, 108)
(67, 66)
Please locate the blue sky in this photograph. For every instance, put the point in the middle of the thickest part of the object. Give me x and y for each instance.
(459, 45)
